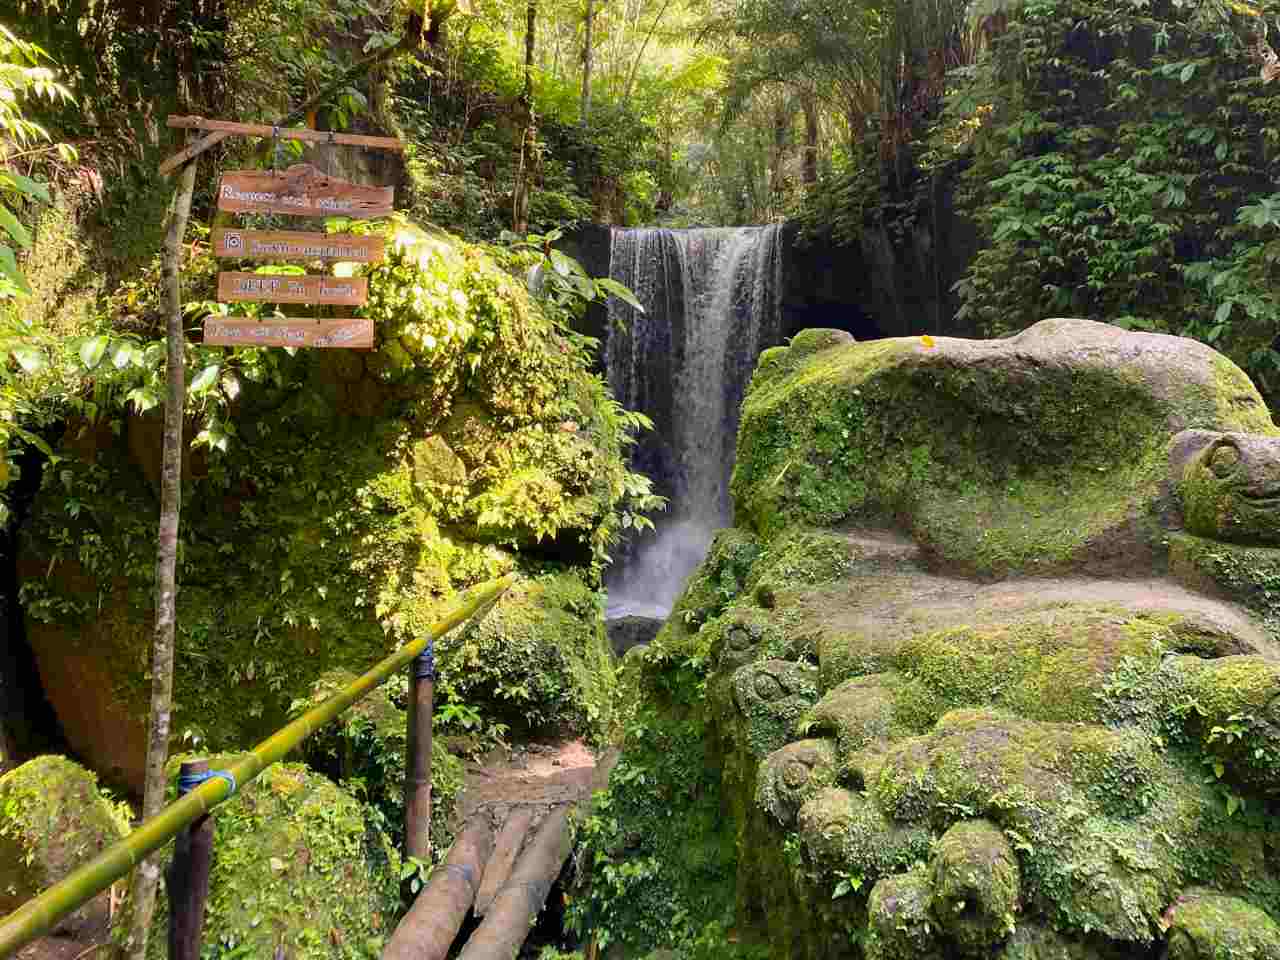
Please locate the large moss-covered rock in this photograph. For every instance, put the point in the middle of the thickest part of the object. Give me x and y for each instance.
(299, 870)
(973, 443)
(360, 494)
(52, 819)
(1031, 583)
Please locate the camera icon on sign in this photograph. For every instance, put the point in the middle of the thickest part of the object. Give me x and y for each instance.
(234, 241)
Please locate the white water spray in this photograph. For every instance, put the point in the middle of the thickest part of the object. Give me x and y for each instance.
(711, 302)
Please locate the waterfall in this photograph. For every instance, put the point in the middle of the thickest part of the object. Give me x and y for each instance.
(711, 305)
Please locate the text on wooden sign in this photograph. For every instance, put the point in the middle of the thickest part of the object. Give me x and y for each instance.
(296, 245)
(301, 191)
(350, 334)
(278, 288)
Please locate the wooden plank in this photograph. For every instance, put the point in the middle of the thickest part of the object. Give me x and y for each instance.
(276, 288)
(301, 191)
(296, 245)
(286, 133)
(505, 851)
(352, 333)
(193, 150)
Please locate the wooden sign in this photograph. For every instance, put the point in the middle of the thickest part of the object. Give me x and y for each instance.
(278, 288)
(351, 333)
(296, 245)
(301, 191)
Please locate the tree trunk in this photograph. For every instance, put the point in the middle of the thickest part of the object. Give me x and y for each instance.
(587, 20)
(146, 877)
(810, 105)
(528, 141)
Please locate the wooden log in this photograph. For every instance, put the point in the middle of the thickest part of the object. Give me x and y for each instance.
(428, 929)
(510, 840)
(518, 903)
(192, 150)
(188, 879)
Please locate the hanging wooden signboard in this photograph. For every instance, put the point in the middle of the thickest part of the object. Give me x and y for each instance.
(301, 191)
(296, 245)
(351, 333)
(278, 288)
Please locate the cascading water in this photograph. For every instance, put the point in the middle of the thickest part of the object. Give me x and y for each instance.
(711, 305)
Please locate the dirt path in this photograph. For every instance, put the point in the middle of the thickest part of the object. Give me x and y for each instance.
(543, 775)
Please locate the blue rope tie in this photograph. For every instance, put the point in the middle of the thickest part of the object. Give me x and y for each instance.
(189, 781)
(424, 664)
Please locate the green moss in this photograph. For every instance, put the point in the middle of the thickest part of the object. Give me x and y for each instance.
(1033, 942)
(298, 867)
(1249, 574)
(53, 819)
(843, 832)
(858, 714)
(900, 926)
(976, 886)
(1227, 489)
(1203, 925)
(969, 444)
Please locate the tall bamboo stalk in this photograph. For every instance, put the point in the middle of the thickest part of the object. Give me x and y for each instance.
(37, 917)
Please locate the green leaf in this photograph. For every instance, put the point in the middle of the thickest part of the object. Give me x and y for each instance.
(1218, 769)
(26, 186)
(1233, 804)
(621, 291)
(9, 268)
(29, 358)
(1221, 151)
(1224, 311)
(15, 229)
(1188, 72)
(91, 351)
(205, 378)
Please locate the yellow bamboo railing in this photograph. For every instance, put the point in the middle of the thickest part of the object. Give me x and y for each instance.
(37, 916)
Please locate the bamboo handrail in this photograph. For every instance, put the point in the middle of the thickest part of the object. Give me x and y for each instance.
(37, 916)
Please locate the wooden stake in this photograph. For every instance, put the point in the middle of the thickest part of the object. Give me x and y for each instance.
(188, 879)
(287, 133)
(417, 783)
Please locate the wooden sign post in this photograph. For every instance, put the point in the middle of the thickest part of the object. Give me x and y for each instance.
(277, 288)
(301, 191)
(354, 333)
(296, 245)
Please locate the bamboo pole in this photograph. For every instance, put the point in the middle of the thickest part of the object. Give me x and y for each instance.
(429, 928)
(38, 916)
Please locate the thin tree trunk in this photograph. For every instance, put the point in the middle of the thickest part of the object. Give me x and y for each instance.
(587, 21)
(146, 877)
(528, 141)
(631, 77)
(810, 105)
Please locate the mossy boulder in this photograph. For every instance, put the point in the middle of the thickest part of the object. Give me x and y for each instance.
(973, 443)
(298, 868)
(900, 925)
(1204, 925)
(976, 884)
(1229, 485)
(53, 818)
(359, 495)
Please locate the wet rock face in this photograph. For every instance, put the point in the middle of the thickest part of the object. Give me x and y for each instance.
(1028, 707)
